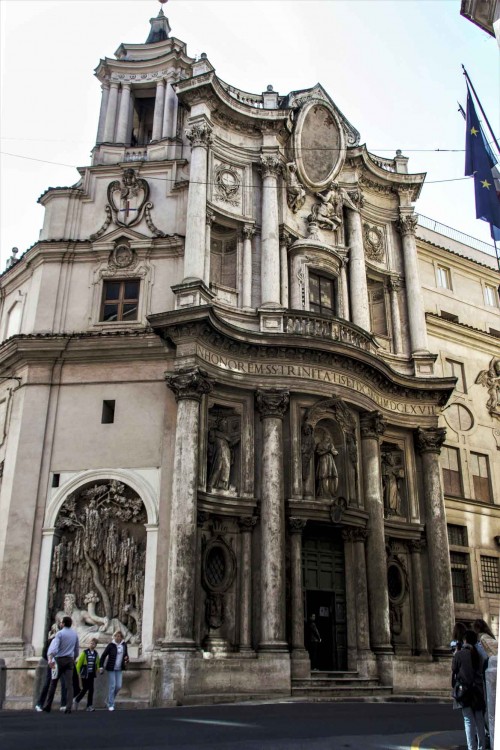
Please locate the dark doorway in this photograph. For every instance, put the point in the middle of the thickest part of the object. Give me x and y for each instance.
(324, 588)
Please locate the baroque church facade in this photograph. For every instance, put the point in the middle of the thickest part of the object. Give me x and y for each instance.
(228, 385)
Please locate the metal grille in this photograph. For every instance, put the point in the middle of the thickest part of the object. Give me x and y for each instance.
(490, 569)
(457, 535)
(216, 567)
(460, 577)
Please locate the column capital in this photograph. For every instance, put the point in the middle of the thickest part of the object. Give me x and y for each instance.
(247, 523)
(200, 134)
(354, 534)
(248, 231)
(407, 223)
(209, 218)
(416, 545)
(372, 424)
(355, 199)
(286, 237)
(272, 403)
(430, 439)
(189, 384)
(296, 525)
(395, 283)
(270, 165)
(114, 84)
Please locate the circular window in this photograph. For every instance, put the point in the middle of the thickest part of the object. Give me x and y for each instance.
(395, 583)
(459, 417)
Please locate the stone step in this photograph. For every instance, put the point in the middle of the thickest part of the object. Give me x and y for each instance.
(212, 699)
(338, 681)
(335, 690)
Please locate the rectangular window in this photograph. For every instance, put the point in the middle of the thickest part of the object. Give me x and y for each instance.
(452, 479)
(460, 578)
(490, 296)
(490, 571)
(481, 477)
(456, 369)
(449, 316)
(378, 312)
(457, 535)
(321, 294)
(120, 300)
(443, 277)
(108, 412)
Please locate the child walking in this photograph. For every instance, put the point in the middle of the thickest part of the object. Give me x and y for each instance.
(87, 667)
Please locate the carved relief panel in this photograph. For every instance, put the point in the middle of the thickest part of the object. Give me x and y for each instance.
(398, 586)
(227, 188)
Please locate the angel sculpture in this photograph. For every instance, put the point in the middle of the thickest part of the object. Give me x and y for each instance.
(296, 194)
(490, 378)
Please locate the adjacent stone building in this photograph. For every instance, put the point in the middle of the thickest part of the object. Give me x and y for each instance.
(230, 367)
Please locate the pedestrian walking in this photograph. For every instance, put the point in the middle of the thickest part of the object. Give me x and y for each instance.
(468, 691)
(48, 675)
(87, 668)
(114, 660)
(63, 651)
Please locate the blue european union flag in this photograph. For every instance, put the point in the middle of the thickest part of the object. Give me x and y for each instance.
(480, 162)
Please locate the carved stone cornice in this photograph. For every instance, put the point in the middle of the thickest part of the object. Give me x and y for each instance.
(407, 224)
(431, 439)
(296, 525)
(354, 534)
(272, 403)
(372, 424)
(270, 165)
(200, 134)
(248, 231)
(247, 523)
(190, 383)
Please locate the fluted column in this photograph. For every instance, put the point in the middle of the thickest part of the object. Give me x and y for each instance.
(429, 442)
(420, 619)
(344, 291)
(296, 527)
(246, 296)
(102, 112)
(270, 249)
(372, 427)
(200, 135)
(188, 386)
(285, 241)
(122, 127)
(272, 405)
(109, 126)
(209, 220)
(416, 314)
(360, 311)
(246, 524)
(394, 287)
(158, 113)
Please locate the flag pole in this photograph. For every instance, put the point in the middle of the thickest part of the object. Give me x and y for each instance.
(481, 108)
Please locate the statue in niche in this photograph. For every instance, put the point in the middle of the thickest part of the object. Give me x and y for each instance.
(327, 214)
(327, 477)
(101, 560)
(221, 456)
(391, 479)
(295, 193)
(490, 379)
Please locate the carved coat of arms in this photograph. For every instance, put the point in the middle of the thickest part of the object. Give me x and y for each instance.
(128, 198)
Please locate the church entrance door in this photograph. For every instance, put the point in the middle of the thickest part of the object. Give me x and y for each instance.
(324, 588)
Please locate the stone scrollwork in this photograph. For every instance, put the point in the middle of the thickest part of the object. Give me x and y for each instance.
(374, 241)
(190, 383)
(200, 134)
(490, 379)
(272, 403)
(122, 257)
(105, 225)
(100, 560)
(431, 439)
(149, 221)
(295, 192)
(372, 424)
(407, 223)
(227, 184)
(127, 198)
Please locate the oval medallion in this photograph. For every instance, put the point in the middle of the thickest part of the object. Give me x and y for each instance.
(319, 144)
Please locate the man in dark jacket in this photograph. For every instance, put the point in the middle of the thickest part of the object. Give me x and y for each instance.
(114, 660)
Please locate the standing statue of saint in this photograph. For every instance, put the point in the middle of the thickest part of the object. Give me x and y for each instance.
(391, 475)
(220, 456)
(326, 470)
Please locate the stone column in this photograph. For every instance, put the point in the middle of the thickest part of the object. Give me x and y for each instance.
(246, 524)
(270, 249)
(416, 314)
(102, 112)
(200, 135)
(350, 589)
(296, 527)
(429, 442)
(188, 386)
(246, 296)
(109, 126)
(362, 617)
(122, 127)
(272, 405)
(209, 220)
(285, 240)
(372, 427)
(158, 113)
(420, 620)
(360, 311)
(344, 291)
(394, 287)
(169, 112)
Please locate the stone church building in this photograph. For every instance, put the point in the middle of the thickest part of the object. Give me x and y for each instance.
(233, 396)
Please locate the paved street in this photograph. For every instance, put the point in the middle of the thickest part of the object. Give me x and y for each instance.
(278, 726)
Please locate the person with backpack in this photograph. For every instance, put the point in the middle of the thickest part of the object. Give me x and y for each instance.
(468, 691)
(87, 667)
